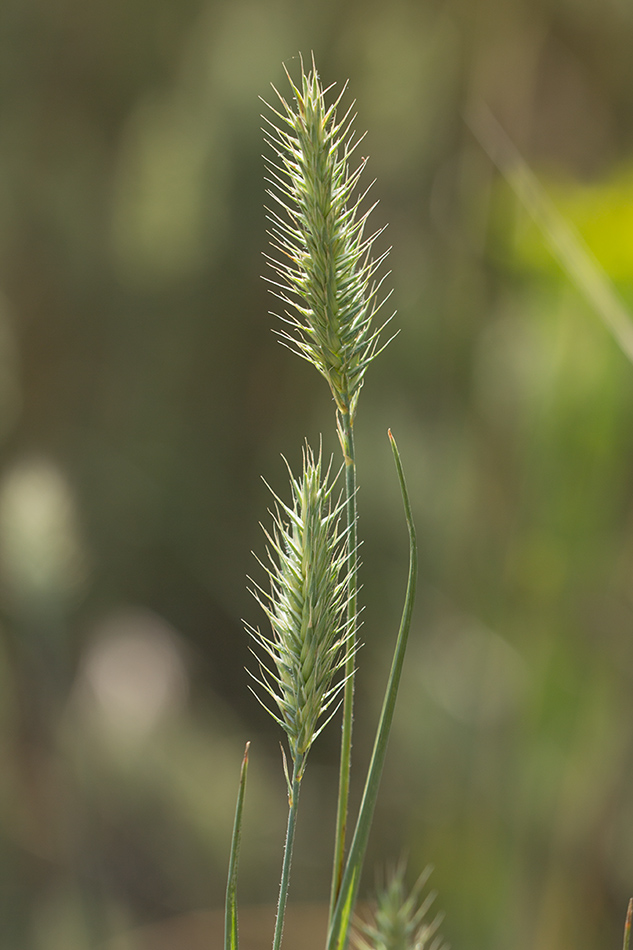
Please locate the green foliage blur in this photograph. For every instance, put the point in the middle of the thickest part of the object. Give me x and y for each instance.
(142, 394)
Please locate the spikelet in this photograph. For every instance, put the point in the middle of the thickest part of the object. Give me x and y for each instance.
(323, 263)
(400, 921)
(300, 662)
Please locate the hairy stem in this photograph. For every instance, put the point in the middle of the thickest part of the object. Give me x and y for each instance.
(346, 435)
(293, 803)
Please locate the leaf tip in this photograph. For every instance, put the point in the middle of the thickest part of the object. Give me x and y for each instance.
(627, 925)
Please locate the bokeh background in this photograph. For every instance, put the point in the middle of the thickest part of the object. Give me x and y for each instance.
(142, 395)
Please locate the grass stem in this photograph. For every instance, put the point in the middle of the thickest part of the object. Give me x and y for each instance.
(341, 919)
(293, 803)
(346, 435)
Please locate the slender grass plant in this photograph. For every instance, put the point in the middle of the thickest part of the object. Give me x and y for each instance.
(311, 637)
(327, 280)
(330, 286)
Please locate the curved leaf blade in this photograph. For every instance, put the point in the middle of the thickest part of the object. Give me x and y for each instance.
(341, 920)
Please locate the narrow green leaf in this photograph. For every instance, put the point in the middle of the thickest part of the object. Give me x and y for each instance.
(627, 925)
(339, 930)
(230, 912)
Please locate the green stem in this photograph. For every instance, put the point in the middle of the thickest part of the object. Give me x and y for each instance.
(346, 436)
(293, 803)
(341, 919)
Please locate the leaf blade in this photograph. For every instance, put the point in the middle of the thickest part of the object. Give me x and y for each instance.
(230, 911)
(627, 925)
(341, 919)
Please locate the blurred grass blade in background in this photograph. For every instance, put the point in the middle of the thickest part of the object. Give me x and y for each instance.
(565, 243)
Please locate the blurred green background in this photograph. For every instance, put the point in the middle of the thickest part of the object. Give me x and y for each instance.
(142, 394)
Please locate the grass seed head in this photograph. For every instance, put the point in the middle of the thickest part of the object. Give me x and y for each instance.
(401, 921)
(300, 663)
(322, 257)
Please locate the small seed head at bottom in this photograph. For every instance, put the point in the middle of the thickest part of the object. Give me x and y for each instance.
(400, 920)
